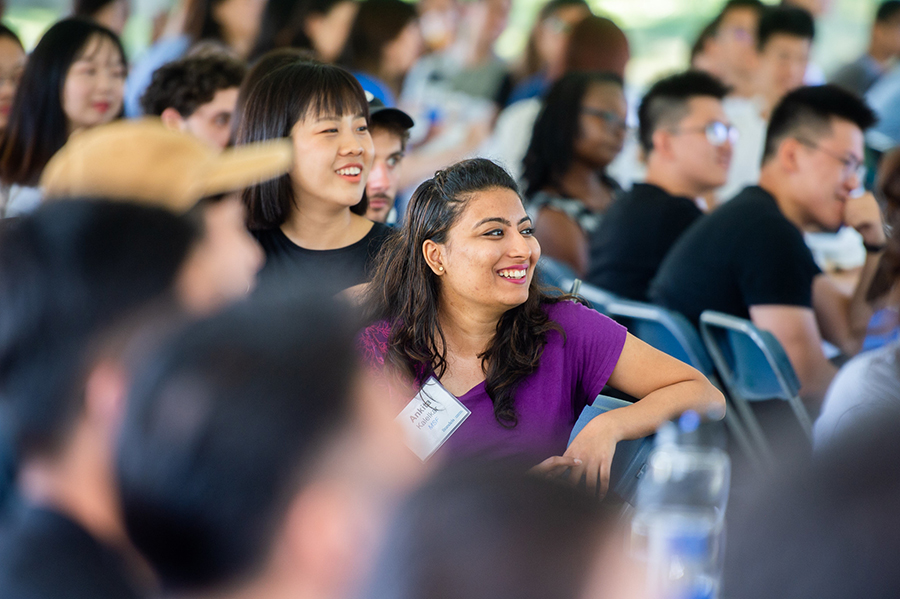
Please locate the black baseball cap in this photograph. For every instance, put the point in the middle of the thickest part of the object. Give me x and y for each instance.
(379, 112)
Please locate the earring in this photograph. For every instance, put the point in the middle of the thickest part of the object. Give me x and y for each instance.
(441, 268)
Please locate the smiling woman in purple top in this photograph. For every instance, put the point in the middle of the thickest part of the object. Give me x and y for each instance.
(454, 296)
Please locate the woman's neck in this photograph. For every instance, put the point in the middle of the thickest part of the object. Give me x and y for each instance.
(316, 225)
(467, 331)
(585, 182)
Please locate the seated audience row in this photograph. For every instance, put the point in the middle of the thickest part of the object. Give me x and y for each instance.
(748, 258)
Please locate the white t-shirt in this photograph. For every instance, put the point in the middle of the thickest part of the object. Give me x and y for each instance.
(865, 386)
(745, 115)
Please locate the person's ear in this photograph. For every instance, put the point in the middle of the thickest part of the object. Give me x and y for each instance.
(788, 154)
(434, 256)
(662, 143)
(104, 394)
(172, 119)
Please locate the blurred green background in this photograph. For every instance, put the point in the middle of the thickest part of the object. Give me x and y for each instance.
(660, 31)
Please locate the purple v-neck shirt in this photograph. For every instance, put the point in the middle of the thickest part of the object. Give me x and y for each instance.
(572, 372)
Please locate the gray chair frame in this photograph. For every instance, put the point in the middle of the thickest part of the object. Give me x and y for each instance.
(691, 350)
(780, 371)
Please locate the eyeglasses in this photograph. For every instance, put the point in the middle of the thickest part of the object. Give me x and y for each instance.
(717, 133)
(852, 165)
(612, 120)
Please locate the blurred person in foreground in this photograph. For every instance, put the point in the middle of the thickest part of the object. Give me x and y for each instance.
(748, 258)
(390, 133)
(143, 162)
(256, 459)
(73, 278)
(826, 530)
(197, 95)
(70, 273)
(455, 299)
(687, 141)
(783, 45)
(884, 48)
(477, 531)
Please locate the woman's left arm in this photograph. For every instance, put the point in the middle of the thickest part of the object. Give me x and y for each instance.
(666, 388)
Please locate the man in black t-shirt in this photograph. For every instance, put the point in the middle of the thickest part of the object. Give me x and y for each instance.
(687, 140)
(748, 258)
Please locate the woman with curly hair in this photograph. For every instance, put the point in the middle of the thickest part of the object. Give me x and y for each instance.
(455, 298)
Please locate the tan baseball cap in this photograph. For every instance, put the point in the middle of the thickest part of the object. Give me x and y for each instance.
(143, 161)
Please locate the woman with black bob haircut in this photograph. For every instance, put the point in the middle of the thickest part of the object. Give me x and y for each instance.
(578, 133)
(73, 80)
(454, 297)
(481, 531)
(309, 222)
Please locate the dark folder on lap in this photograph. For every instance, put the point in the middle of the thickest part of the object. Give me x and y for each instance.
(630, 460)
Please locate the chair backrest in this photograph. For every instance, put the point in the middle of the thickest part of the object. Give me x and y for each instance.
(598, 298)
(667, 331)
(555, 274)
(750, 361)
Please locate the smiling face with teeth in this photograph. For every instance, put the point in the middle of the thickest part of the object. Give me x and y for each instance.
(333, 157)
(489, 255)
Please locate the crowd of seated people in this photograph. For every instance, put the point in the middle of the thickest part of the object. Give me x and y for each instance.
(273, 319)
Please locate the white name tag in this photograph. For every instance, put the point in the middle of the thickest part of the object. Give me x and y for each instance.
(430, 418)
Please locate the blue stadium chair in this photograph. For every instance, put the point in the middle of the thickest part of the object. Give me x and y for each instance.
(553, 273)
(754, 367)
(667, 331)
(629, 462)
(673, 334)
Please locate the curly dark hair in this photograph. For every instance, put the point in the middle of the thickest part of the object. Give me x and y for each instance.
(406, 294)
(189, 83)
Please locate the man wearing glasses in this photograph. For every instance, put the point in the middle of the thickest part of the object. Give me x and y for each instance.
(687, 140)
(749, 259)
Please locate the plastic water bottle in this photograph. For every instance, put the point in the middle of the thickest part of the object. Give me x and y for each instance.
(678, 525)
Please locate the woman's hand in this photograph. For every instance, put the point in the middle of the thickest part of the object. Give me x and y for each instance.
(556, 465)
(594, 447)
